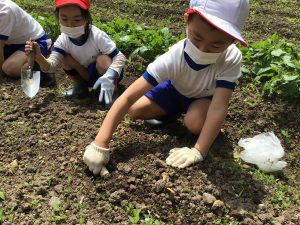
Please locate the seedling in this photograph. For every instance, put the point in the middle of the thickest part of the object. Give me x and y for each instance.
(2, 217)
(224, 221)
(285, 133)
(149, 220)
(58, 213)
(81, 218)
(2, 196)
(136, 216)
(34, 203)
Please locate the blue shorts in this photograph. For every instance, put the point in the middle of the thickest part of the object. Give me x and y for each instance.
(42, 42)
(169, 99)
(94, 75)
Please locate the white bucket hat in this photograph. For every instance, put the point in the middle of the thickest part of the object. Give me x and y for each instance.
(228, 16)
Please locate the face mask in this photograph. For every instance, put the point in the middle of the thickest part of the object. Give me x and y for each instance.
(198, 56)
(73, 32)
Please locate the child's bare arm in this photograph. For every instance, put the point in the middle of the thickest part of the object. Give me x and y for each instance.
(97, 154)
(119, 109)
(216, 114)
(183, 157)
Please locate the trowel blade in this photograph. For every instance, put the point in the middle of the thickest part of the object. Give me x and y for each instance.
(30, 82)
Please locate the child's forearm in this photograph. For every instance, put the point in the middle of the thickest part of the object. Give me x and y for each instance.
(210, 130)
(43, 63)
(119, 109)
(50, 64)
(111, 121)
(215, 117)
(118, 62)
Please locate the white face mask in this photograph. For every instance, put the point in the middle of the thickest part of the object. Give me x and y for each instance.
(73, 32)
(198, 56)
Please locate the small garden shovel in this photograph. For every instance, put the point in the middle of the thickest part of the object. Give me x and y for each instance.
(30, 80)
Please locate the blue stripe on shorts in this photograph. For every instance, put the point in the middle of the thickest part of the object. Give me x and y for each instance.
(42, 42)
(169, 99)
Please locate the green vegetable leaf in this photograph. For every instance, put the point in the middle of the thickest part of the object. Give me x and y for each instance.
(278, 52)
(2, 196)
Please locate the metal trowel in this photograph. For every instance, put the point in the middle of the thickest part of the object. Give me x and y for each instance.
(30, 80)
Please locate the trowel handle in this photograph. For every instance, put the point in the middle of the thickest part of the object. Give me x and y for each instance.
(31, 60)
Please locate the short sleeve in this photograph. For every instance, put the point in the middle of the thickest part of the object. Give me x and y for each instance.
(60, 44)
(7, 21)
(230, 70)
(105, 44)
(163, 67)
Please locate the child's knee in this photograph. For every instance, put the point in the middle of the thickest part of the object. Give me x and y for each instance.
(132, 113)
(194, 125)
(135, 113)
(69, 62)
(10, 69)
(194, 128)
(102, 64)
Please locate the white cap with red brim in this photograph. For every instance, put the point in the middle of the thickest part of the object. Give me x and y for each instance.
(228, 16)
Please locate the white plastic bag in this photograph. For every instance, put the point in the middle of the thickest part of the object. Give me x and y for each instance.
(264, 150)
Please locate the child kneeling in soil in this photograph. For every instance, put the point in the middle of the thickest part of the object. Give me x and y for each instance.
(84, 51)
(196, 77)
(17, 27)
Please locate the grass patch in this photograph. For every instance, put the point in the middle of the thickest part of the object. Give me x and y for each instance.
(282, 195)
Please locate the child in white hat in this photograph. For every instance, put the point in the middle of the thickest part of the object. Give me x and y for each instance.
(195, 78)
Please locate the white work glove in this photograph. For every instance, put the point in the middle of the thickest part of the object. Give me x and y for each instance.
(96, 158)
(107, 86)
(183, 157)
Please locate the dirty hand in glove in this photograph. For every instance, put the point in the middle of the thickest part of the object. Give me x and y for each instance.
(107, 86)
(96, 158)
(183, 157)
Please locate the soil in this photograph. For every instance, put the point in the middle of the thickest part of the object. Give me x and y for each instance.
(42, 141)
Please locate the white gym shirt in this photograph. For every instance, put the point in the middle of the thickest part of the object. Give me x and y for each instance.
(191, 83)
(85, 52)
(17, 26)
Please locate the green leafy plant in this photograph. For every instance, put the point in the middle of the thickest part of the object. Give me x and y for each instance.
(137, 39)
(137, 217)
(2, 196)
(224, 221)
(58, 213)
(149, 220)
(275, 65)
(34, 203)
(50, 25)
(1, 216)
(285, 133)
(81, 218)
(283, 196)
